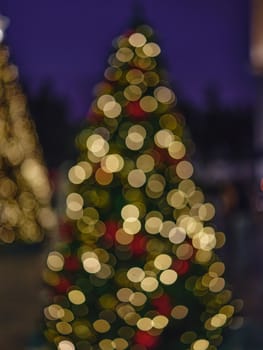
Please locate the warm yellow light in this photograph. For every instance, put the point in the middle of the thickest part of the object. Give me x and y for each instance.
(148, 104)
(168, 277)
(137, 39)
(149, 284)
(162, 261)
(76, 297)
(151, 49)
(201, 344)
(135, 274)
(179, 312)
(145, 324)
(160, 321)
(66, 345)
(163, 138)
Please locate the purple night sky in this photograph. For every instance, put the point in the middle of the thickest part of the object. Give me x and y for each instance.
(203, 42)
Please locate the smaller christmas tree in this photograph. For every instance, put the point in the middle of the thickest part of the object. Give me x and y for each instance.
(136, 268)
(25, 192)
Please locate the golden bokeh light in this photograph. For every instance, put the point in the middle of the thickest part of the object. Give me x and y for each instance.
(163, 138)
(76, 297)
(176, 149)
(55, 261)
(149, 284)
(168, 277)
(90, 262)
(177, 235)
(148, 104)
(201, 344)
(145, 324)
(112, 163)
(135, 138)
(101, 326)
(145, 162)
(162, 262)
(136, 178)
(130, 211)
(153, 223)
(137, 39)
(151, 49)
(134, 76)
(132, 92)
(124, 54)
(160, 321)
(137, 299)
(218, 320)
(132, 226)
(135, 274)
(164, 95)
(74, 201)
(112, 109)
(179, 312)
(184, 169)
(66, 345)
(103, 100)
(206, 211)
(217, 284)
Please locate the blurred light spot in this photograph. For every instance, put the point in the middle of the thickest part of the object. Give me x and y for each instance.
(201, 344)
(112, 163)
(137, 40)
(76, 297)
(163, 138)
(177, 235)
(112, 109)
(168, 277)
(124, 54)
(135, 274)
(131, 226)
(145, 324)
(151, 49)
(55, 261)
(145, 162)
(162, 262)
(218, 320)
(137, 299)
(134, 76)
(101, 326)
(179, 312)
(149, 284)
(160, 322)
(124, 294)
(184, 169)
(74, 201)
(66, 345)
(164, 95)
(130, 210)
(136, 178)
(176, 150)
(148, 104)
(103, 178)
(132, 92)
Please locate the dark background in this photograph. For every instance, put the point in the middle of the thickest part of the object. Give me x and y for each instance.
(61, 48)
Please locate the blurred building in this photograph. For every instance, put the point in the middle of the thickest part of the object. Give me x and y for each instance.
(256, 56)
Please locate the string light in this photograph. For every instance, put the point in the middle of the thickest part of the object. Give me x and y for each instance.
(141, 251)
(25, 192)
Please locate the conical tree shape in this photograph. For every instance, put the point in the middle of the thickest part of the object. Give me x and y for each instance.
(136, 268)
(25, 214)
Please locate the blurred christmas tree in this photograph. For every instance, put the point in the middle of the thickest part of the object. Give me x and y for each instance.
(25, 193)
(136, 267)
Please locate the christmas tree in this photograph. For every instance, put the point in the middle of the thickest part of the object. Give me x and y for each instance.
(25, 193)
(136, 267)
